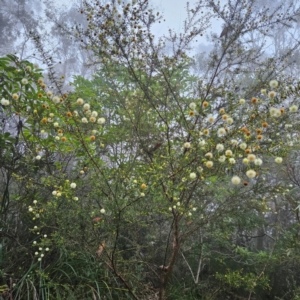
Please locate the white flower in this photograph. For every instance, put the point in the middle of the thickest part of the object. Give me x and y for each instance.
(220, 147)
(24, 81)
(30, 209)
(187, 145)
(209, 164)
(80, 101)
(57, 138)
(231, 160)
(34, 242)
(209, 155)
(202, 143)
(194, 208)
(278, 160)
(86, 106)
(15, 96)
(211, 119)
(251, 157)
(236, 180)
(242, 101)
(4, 102)
(75, 198)
(73, 185)
(228, 153)
(38, 157)
(49, 94)
(54, 193)
(178, 203)
(84, 120)
(56, 99)
(263, 91)
(192, 105)
(47, 249)
(221, 131)
(229, 121)
(205, 132)
(193, 175)
(243, 146)
(101, 121)
(273, 84)
(94, 114)
(142, 194)
(275, 112)
(55, 124)
(258, 162)
(36, 253)
(45, 235)
(272, 94)
(200, 169)
(222, 158)
(39, 259)
(234, 142)
(293, 108)
(34, 201)
(102, 210)
(251, 173)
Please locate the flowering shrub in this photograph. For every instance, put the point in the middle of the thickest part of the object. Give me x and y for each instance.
(155, 151)
(80, 172)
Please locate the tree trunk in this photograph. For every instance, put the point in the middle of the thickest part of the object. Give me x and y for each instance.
(167, 270)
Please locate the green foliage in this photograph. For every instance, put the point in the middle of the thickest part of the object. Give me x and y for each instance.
(144, 181)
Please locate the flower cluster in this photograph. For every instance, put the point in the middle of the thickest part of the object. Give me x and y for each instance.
(4, 102)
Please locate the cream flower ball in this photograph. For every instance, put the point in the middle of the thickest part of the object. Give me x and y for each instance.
(193, 175)
(236, 180)
(251, 173)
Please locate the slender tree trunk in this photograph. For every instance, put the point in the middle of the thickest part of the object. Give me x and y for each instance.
(167, 270)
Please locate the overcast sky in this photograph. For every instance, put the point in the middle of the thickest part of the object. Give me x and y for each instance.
(174, 12)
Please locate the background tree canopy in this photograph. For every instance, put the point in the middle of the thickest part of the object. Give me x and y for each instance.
(154, 172)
